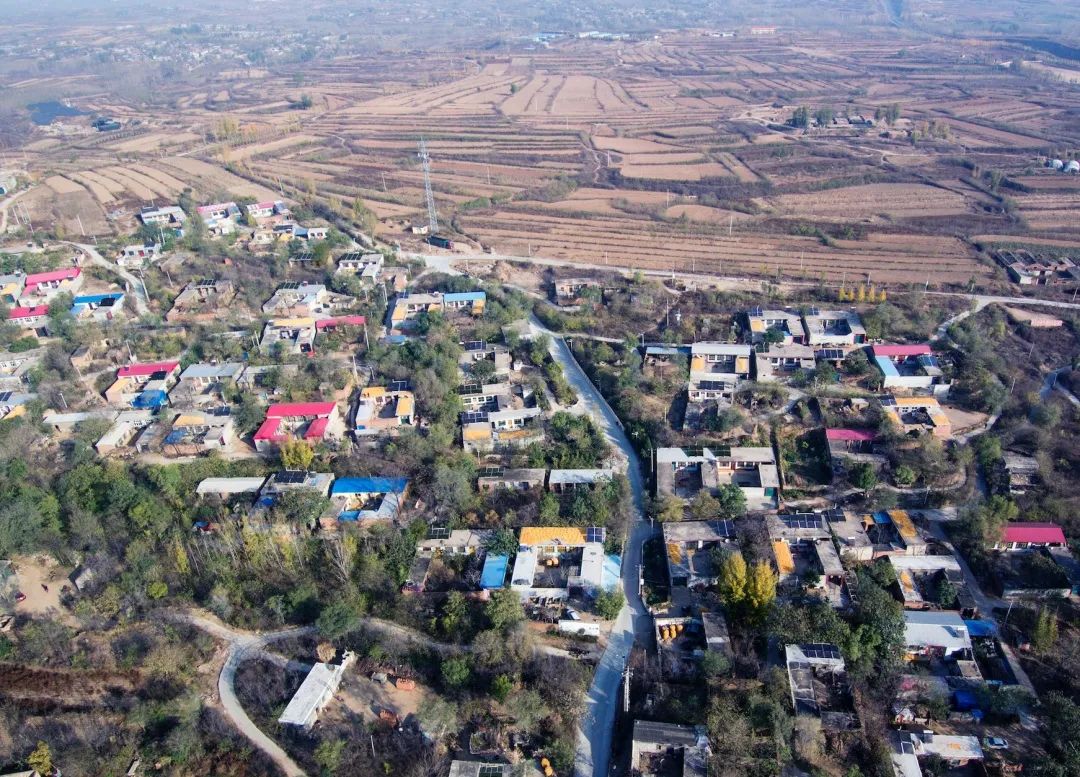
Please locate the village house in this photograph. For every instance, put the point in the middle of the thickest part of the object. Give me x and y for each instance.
(45, 285)
(305, 299)
(715, 370)
(407, 307)
(667, 748)
(194, 433)
(683, 473)
(98, 307)
(955, 751)
(495, 478)
(499, 430)
(916, 415)
(935, 635)
(150, 380)
(1026, 535)
(225, 488)
(367, 266)
(311, 421)
(783, 327)
(1028, 269)
(293, 335)
(315, 693)
(15, 366)
(910, 367)
(219, 218)
(479, 769)
(292, 231)
(919, 577)
(820, 688)
(126, 426)
(165, 216)
(833, 327)
(266, 380)
(478, 351)
(802, 546)
(384, 410)
(35, 317)
(439, 543)
(690, 547)
(486, 396)
(568, 290)
(557, 562)
(1022, 472)
(11, 287)
(202, 300)
(138, 254)
(365, 499)
(774, 361)
(14, 403)
(563, 481)
(205, 382)
(261, 211)
(286, 480)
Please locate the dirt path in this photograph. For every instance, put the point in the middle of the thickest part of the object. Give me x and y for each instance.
(135, 286)
(244, 645)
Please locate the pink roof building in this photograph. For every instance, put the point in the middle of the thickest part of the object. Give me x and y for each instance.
(1030, 534)
(286, 421)
(52, 278)
(36, 311)
(850, 435)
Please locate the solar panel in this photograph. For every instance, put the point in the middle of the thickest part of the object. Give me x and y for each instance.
(6, 395)
(815, 310)
(289, 285)
(352, 256)
(290, 477)
(801, 521)
(398, 385)
(475, 345)
(490, 770)
(469, 388)
(439, 533)
(491, 472)
(474, 417)
(756, 310)
(206, 282)
(303, 256)
(595, 534)
(820, 650)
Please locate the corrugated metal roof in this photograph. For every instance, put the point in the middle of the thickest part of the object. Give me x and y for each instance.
(552, 535)
(1035, 532)
(299, 409)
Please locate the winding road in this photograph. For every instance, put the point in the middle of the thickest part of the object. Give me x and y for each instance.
(596, 725)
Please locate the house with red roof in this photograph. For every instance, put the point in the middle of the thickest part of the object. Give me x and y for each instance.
(1024, 535)
(46, 284)
(310, 421)
(133, 380)
(33, 317)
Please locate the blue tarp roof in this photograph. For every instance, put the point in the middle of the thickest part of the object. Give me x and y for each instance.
(887, 367)
(175, 437)
(464, 296)
(94, 299)
(980, 628)
(882, 518)
(494, 573)
(349, 515)
(610, 578)
(154, 398)
(369, 486)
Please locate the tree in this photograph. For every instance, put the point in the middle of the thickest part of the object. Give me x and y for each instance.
(504, 609)
(904, 475)
(501, 686)
(454, 611)
(437, 716)
(456, 672)
(732, 581)
(41, 759)
(714, 663)
(760, 589)
(800, 117)
(296, 454)
(328, 754)
(863, 476)
(704, 506)
(338, 618)
(732, 501)
(609, 604)
(945, 593)
(669, 509)
(824, 116)
(1045, 634)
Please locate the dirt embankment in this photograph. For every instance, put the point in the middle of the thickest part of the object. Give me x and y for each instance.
(64, 688)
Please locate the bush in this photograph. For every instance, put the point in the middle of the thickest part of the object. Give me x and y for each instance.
(609, 604)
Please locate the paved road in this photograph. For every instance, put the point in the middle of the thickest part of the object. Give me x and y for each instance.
(595, 728)
(242, 646)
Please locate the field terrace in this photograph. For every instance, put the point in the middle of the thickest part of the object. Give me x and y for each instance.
(675, 146)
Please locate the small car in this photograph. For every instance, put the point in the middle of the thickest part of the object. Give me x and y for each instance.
(995, 743)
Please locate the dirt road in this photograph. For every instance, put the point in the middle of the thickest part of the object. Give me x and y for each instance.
(135, 286)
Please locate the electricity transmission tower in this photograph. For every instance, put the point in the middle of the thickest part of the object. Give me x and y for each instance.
(432, 216)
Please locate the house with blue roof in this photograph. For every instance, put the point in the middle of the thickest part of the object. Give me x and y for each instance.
(98, 307)
(365, 499)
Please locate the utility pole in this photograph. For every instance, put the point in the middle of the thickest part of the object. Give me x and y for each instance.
(78, 218)
(628, 673)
